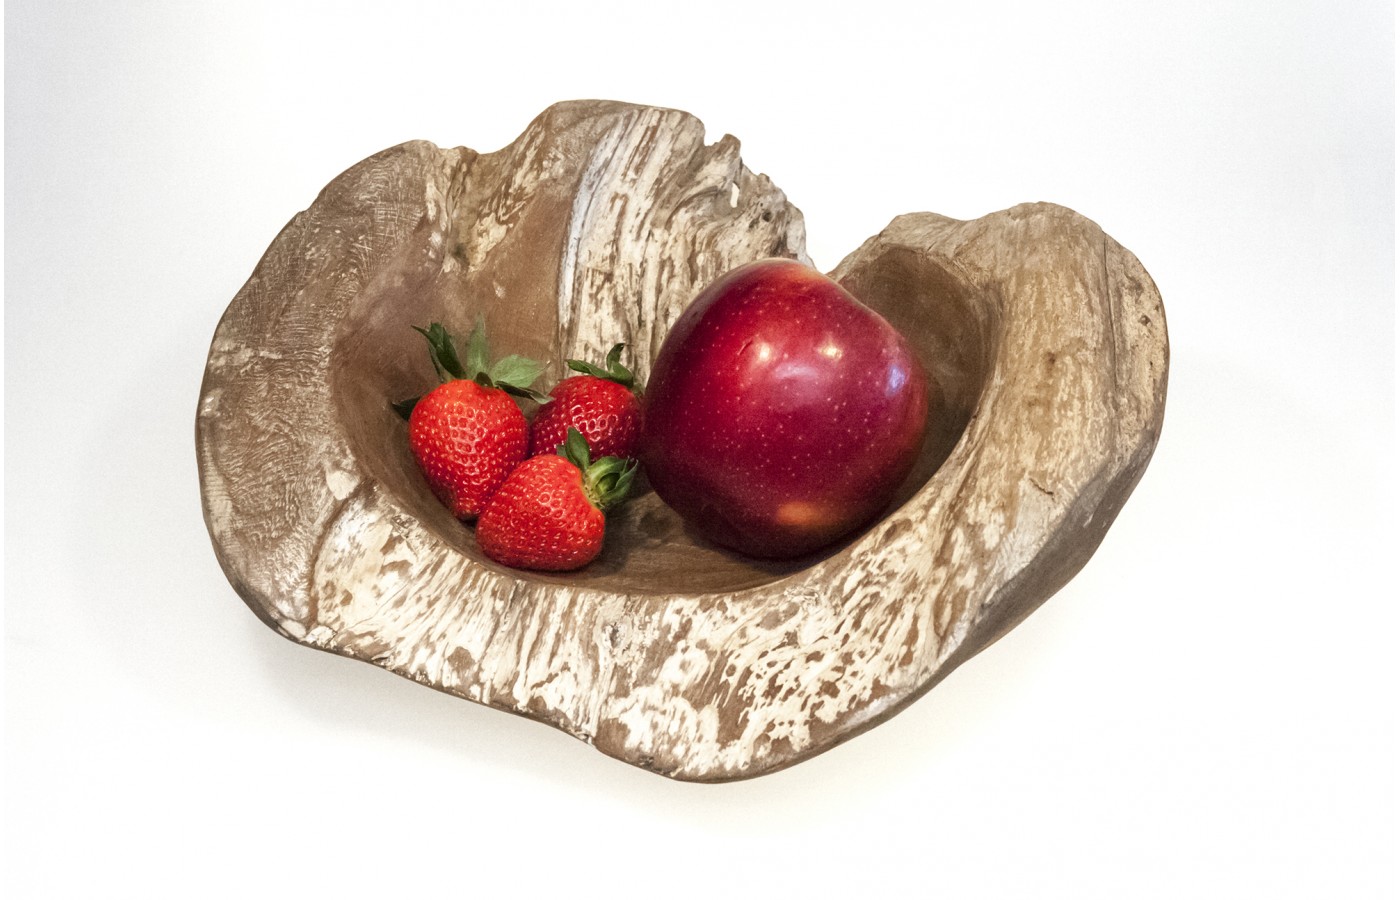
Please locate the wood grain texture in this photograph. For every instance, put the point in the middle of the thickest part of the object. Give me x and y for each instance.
(598, 224)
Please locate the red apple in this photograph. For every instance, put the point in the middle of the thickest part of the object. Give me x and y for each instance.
(781, 413)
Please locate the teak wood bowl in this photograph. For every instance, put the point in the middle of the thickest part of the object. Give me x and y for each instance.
(1047, 340)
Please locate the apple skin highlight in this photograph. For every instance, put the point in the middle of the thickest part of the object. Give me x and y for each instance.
(781, 413)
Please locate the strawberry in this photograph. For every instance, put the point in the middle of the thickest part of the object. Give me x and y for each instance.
(601, 403)
(548, 514)
(468, 432)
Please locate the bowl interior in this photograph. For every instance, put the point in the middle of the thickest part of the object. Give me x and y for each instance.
(377, 358)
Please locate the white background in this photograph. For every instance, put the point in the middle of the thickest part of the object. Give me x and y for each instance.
(1208, 710)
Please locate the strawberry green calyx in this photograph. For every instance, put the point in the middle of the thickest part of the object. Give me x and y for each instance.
(443, 351)
(606, 481)
(513, 374)
(611, 370)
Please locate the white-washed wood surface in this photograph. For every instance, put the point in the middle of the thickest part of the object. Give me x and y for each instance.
(598, 225)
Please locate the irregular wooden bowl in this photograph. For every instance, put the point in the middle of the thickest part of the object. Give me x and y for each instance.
(597, 225)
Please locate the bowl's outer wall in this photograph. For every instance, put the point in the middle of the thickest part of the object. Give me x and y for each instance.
(1047, 339)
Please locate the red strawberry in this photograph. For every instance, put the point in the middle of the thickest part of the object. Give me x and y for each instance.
(468, 433)
(601, 403)
(548, 514)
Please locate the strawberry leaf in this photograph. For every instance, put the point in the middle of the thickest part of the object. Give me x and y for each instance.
(611, 370)
(478, 356)
(575, 449)
(443, 351)
(405, 407)
(515, 371)
(525, 393)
